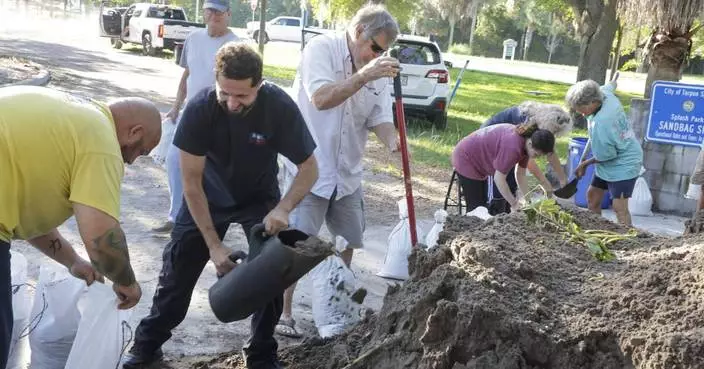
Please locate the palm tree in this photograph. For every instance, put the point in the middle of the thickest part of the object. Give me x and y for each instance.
(670, 43)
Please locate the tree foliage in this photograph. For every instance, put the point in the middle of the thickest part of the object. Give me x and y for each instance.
(342, 10)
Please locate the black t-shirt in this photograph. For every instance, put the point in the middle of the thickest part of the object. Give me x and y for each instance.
(241, 152)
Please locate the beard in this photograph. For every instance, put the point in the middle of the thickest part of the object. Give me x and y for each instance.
(241, 112)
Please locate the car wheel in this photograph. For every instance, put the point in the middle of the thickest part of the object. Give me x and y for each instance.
(117, 44)
(440, 121)
(147, 48)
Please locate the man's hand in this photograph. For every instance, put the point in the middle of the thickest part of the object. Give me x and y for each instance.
(173, 115)
(276, 221)
(129, 295)
(383, 66)
(82, 269)
(220, 255)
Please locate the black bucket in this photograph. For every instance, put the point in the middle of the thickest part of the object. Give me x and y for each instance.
(272, 266)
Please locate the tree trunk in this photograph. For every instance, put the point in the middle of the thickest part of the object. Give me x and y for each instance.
(452, 19)
(668, 54)
(596, 25)
(529, 39)
(262, 26)
(617, 51)
(518, 51)
(475, 14)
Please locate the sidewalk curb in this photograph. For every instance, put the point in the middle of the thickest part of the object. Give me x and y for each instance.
(40, 79)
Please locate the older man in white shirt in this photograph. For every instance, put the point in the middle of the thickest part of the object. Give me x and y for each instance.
(342, 89)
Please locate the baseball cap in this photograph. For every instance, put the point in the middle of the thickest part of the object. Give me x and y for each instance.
(220, 5)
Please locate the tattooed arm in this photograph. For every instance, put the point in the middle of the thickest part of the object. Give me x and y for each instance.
(107, 248)
(56, 247)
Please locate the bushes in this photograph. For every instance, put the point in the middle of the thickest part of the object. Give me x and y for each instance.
(629, 66)
(460, 49)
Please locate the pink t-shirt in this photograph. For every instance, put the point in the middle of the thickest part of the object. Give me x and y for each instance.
(489, 149)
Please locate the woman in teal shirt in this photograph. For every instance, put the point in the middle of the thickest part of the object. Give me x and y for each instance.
(616, 151)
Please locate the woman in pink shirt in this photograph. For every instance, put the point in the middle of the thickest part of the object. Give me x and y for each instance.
(494, 151)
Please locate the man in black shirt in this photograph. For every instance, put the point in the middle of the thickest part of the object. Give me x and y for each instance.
(229, 139)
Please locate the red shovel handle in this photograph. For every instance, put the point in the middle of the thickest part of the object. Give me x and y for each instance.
(401, 119)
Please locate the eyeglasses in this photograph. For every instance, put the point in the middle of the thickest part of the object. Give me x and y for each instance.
(376, 48)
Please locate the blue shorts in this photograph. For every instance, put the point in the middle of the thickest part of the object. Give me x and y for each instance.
(618, 189)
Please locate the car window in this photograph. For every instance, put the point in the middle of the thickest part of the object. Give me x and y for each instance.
(166, 13)
(280, 22)
(294, 22)
(416, 54)
(129, 11)
(137, 13)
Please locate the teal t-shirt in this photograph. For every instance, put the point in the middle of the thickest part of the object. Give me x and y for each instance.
(613, 142)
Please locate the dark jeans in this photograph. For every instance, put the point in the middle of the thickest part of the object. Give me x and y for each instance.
(474, 192)
(6, 319)
(183, 261)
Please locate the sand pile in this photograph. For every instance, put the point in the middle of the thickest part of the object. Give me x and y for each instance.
(505, 294)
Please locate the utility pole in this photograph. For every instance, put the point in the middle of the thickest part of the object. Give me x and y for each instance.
(262, 26)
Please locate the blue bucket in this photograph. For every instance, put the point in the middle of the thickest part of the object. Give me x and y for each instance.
(576, 148)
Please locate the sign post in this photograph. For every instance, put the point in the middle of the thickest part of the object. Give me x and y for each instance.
(676, 114)
(253, 6)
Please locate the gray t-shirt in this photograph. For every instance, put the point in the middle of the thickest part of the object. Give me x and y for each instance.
(199, 57)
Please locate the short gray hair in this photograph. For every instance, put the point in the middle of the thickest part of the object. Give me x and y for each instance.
(584, 93)
(375, 19)
(550, 117)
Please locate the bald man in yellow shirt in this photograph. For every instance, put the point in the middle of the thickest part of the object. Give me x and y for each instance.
(62, 155)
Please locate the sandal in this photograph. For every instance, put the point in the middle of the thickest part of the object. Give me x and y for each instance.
(287, 328)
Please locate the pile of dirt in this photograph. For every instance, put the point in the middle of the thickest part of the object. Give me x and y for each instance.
(503, 294)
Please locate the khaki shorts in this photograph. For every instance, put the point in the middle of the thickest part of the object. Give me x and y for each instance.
(698, 173)
(344, 217)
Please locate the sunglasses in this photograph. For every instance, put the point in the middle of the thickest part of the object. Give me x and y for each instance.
(376, 48)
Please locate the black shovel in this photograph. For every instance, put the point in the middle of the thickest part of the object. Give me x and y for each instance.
(568, 190)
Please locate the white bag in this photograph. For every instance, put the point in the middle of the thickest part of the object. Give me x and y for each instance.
(479, 212)
(168, 129)
(400, 246)
(694, 191)
(54, 319)
(641, 200)
(103, 333)
(431, 240)
(19, 346)
(333, 285)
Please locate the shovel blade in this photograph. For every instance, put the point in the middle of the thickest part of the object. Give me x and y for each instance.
(568, 190)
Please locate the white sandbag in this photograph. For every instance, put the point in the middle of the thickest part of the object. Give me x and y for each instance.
(19, 345)
(479, 212)
(333, 286)
(103, 332)
(400, 246)
(641, 200)
(55, 316)
(431, 239)
(168, 129)
(694, 191)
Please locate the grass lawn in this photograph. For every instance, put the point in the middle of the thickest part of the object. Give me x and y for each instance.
(479, 96)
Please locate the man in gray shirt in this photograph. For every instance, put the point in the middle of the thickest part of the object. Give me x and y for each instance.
(198, 61)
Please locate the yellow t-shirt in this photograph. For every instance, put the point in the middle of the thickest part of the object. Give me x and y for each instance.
(55, 149)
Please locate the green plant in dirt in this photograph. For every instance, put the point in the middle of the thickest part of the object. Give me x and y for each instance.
(548, 214)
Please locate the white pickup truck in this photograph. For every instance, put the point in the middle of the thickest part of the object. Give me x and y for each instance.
(153, 26)
(283, 29)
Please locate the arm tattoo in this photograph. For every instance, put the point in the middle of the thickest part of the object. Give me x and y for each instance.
(111, 257)
(55, 246)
